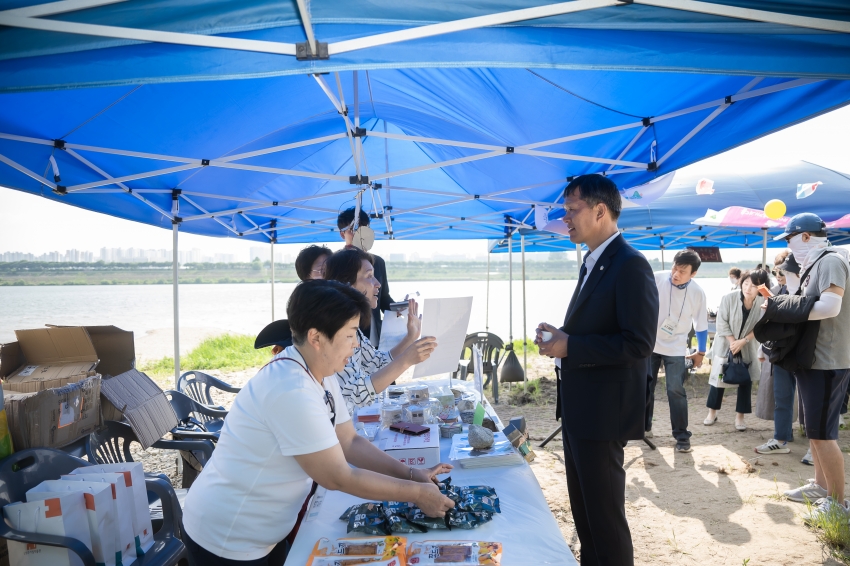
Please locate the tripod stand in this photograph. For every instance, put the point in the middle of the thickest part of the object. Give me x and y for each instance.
(558, 431)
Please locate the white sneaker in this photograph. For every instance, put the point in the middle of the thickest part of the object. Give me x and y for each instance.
(773, 446)
(824, 508)
(807, 459)
(647, 434)
(810, 491)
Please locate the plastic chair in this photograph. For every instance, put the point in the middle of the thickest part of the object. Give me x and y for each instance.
(195, 419)
(111, 445)
(26, 469)
(197, 385)
(491, 348)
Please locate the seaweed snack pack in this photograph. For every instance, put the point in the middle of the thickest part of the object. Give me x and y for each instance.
(382, 548)
(396, 514)
(368, 518)
(454, 553)
(353, 561)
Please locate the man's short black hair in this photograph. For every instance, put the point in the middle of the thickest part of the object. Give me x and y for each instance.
(346, 217)
(325, 306)
(595, 189)
(306, 258)
(688, 257)
(344, 265)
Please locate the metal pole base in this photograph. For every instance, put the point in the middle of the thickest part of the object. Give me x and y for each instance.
(558, 431)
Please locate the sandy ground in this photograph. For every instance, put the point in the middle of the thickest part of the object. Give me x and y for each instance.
(719, 505)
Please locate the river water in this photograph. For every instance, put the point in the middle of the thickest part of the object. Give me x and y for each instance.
(246, 308)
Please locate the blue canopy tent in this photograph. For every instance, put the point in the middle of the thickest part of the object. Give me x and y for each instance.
(260, 120)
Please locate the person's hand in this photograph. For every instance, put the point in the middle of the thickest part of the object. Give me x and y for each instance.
(419, 351)
(414, 321)
(431, 501)
(429, 475)
(556, 346)
(737, 345)
(697, 358)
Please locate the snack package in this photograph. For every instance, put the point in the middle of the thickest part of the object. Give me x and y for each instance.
(454, 553)
(371, 522)
(381, 547)
(467, 520)
(396, 516)
(417, 517)
(354, 561)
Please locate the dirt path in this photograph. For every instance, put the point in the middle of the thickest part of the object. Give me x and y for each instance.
(719, 505)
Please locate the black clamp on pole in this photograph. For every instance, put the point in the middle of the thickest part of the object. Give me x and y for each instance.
(304, 53)
(359, 179)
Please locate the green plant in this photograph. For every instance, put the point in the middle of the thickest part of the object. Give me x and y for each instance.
(531, 348)
(833, 531)
(225, 352)
(746, 562)
(525, 393)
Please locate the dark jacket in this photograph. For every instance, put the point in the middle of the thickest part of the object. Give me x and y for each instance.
(611, 325)
(787, 335)
(384, 298)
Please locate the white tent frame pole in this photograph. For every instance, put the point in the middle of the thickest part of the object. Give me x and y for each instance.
(630, 145)
(137, 176)
(571, 157)
(289, 202)
(264, 231)
(524, 322)
(465, 24)
(764, 249)
(17, 166)
(749, 14)
(155, 36)
(438, 165)
(578, 259)
(61, 7)
(202, 209)
(308, 27)
(487, 305)
(175, 283)
(278, 148)
(271, 243)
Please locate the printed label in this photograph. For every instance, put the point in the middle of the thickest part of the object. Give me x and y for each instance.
(28, 371)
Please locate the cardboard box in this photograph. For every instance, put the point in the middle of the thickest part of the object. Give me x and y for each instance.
(52, 357)
(54, 417)
(114, 347)
(135, 396)
(421, 451)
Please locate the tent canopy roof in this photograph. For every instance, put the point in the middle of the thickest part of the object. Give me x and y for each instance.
(463, 131)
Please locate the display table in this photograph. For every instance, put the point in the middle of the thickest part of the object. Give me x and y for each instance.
(526, 527)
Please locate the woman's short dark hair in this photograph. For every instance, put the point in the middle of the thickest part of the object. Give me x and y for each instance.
(735, 272)
(344, 265)
(595, 189)
(306, 258)
(325, 306)
(688, 257)
(756, 276)
(346, 217)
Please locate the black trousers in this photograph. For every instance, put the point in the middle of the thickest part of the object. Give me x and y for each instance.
(596, 482)
(744, 402)
(200, 556)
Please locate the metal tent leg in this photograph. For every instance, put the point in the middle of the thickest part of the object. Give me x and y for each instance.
(560, 429)
(764, 249)
(487, 307)
(524, 327)
(272, 264)
(175, 283)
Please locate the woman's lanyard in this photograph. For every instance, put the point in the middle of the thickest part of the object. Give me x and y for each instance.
(329, 398)
(684, 299)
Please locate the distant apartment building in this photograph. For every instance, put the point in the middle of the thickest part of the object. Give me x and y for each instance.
(398, 258)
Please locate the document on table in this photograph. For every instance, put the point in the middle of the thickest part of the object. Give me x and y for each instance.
(447, 320)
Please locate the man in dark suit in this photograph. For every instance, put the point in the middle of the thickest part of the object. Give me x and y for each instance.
(603, 348)
(344, 223)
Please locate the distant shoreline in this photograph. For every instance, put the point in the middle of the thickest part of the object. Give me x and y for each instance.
(41, 274)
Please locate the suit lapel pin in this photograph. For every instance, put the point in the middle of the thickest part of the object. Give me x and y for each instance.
(601, 267)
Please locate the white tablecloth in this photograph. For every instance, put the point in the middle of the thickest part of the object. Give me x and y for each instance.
(526, 527)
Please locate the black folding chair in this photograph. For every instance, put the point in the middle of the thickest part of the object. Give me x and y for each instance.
(197, 385)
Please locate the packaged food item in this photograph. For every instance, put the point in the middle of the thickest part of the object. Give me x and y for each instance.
(418, 393)
(417, 517)
(467, 520)
(368, 519)
(351, 561)
(454, 553)
(418, 414)
(469, 501)
(448, 430)
(366, 507)
(395, 391)
(391, 413)
(381, 547)
(396, 516)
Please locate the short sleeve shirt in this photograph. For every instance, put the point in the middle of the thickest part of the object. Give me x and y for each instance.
(832, 348)
(247, 498)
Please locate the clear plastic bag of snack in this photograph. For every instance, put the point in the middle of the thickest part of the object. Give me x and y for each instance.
(454, 553)
(353, 561)
(381, 547)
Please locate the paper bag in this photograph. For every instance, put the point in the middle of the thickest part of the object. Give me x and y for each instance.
(98, 506)
(134, 477)
(122, 507)
(64, 514)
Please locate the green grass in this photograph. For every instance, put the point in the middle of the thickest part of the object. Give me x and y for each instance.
(226, 352)
(531, 348)
(525, 393)
(833, 532)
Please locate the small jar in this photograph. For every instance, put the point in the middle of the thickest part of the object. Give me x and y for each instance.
(418, 414)
(391, 413)
(418, 393)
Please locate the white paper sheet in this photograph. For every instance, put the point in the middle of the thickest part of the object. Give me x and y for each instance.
(447, 320)
(393, 330)
(478, 378)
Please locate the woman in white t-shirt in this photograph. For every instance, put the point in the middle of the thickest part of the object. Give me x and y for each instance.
(287, 432)
(370, 371)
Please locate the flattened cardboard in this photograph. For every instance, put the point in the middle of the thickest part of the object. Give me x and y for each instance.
(114, 347)
(135, 396)
(52, 357)
(54, 417)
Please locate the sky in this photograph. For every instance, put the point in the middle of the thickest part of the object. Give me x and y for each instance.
(36, 225)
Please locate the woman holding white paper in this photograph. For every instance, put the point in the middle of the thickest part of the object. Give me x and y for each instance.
(287, 431)
(370, 371)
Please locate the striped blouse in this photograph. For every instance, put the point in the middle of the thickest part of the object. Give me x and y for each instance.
(355, 380)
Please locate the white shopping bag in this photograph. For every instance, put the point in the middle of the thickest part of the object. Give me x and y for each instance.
(64, 514)
(123, 509)
(134, 477)
(99, 511)
(715, 378)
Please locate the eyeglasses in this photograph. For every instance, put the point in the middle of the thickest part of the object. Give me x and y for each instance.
(778, 273)
(329, 400)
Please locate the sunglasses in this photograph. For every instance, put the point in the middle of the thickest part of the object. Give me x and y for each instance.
(778, 273)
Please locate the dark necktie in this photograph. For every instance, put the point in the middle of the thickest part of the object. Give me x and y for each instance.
(582, 273)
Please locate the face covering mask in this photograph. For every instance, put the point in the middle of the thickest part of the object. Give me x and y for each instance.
(733, 281)
(792, 282)
(801, 249)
